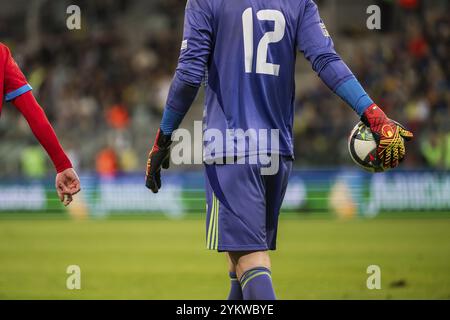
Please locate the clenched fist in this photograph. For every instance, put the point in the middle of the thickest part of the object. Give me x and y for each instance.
(67, 184)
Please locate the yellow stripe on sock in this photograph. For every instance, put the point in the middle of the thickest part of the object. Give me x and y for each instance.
(211, 217)
(251, 272)
(243, 284)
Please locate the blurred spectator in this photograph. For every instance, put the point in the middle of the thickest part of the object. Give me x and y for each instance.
(129, 161)
(117, 116)
(107, 163)
(33, 162)
(436, 150)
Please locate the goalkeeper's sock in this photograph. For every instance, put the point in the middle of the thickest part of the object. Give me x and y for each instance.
(256, 284)
(235, 290)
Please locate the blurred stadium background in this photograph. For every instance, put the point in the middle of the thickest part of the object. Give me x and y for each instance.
(104, 87)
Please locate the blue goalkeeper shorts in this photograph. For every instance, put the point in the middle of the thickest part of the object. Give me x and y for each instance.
(243, 205)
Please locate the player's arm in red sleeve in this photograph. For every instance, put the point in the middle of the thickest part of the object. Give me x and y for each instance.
(42, 130)
(18, 91)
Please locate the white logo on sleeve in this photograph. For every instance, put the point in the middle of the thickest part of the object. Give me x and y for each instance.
(324, 30)
(184, 45)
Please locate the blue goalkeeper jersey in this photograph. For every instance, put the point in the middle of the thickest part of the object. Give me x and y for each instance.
(247, 49)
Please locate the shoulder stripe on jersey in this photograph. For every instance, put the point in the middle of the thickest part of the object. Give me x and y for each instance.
(14, 94)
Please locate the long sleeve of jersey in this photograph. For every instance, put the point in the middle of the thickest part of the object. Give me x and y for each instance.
(16, 89)
(197, 43)
(315, 42)
(42, 130)
(195, 52)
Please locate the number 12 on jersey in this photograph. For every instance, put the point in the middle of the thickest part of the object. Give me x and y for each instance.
(262, 66)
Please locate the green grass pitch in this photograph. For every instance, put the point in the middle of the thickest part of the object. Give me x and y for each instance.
(167, 259)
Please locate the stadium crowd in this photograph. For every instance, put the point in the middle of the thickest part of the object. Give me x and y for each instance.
(104, 86)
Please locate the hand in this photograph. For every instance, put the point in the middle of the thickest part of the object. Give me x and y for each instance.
(389, 135)
(158, 157)
(67, 184)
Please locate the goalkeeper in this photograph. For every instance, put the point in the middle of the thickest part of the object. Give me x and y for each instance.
(249, 51)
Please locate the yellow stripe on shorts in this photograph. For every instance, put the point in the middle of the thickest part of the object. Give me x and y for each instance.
(211, 220)
(217, 225)
(213, 228)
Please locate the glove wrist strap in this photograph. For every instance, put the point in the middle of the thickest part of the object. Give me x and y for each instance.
(373, 117)
(162, 140)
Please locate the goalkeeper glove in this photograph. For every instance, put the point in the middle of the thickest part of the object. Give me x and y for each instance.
(389, 135)
(158, 157)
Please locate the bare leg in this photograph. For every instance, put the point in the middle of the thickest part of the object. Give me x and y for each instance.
(235, 286)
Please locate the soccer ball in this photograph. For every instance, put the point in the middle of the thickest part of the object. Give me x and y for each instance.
(363, 148)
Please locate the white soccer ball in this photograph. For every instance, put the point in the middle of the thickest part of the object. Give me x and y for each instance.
(363, 148)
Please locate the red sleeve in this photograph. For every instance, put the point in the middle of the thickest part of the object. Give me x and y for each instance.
(42, 129)
(15, 82)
